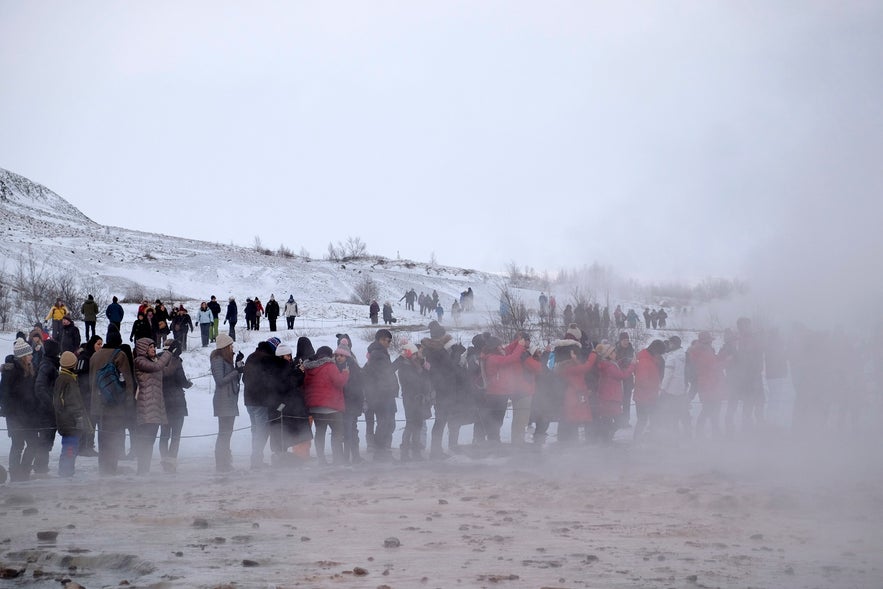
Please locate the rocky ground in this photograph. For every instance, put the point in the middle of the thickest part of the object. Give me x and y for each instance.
(708, 515)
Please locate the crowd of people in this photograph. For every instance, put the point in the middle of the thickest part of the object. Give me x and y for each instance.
(296, 398)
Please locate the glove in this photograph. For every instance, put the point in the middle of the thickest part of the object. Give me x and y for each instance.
(188, 384)
(239, 357)
(175, 348)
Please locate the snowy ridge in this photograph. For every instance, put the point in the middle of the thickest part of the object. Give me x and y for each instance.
(19, 195)
(38, 222)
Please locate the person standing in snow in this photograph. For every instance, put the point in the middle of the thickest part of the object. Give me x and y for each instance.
(272, 312)
(115, 313)
(416, 399)
(374, 311)
(182, 325)
(150, 407)
(259, 311)
(674, 404)
(19, 405)
(215, 308)
(648, 377)
(250, 314)
(174, 381)
(227, 374)
(325, 377)
(89, 309)
(388, 319)
(232, 317)
(205, 320)
(291, 311)
(70, 335)
(70, 414)
(381, 390)
(112, 419)
(160, 322)
(625, 355)
(56, 314)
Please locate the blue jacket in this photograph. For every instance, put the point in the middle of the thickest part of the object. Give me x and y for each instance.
(114, 313)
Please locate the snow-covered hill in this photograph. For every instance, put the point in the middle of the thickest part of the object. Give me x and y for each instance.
(37, 222)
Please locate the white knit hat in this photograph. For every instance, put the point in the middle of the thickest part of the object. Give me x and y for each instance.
(21, 348)
(284, 350)
(223, 341)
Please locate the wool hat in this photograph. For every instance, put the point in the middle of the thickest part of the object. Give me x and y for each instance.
(68, 360)
(283, 350)
(343, 351)
(435, 330)
(274, 341)
(21, 348)
(573, 332)
(603, 350)
(409, 350)
(222, 341)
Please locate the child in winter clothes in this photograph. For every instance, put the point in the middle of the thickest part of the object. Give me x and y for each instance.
(70, 414)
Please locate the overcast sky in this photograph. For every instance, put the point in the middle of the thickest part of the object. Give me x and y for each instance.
(667, 139)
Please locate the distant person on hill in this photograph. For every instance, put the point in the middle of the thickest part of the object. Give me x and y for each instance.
(373, 311)
(160, 322)
(388, 319)
(232, 317)
(631, 319)
(251, 311)
(258, 312)
(661, 316)
(272, 312)
(205, 319)
(215, 308)
(115, 313)
(291, 311)
(89, 309)
(55, 315)
(182, 325)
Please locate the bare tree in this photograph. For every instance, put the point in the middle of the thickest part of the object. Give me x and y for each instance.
(512, 318)
(33, 287)
(333, 254)
(353, 248)
(5, 299)
(365, 291)
(65, 286)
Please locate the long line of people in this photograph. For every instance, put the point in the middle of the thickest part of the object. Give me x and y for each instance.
(587, 388)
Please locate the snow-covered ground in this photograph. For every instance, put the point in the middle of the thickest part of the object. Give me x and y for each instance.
(762, 509)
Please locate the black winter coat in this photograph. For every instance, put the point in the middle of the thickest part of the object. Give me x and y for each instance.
(44, 389)
(272, 309)
(174, 381)
(19, 402)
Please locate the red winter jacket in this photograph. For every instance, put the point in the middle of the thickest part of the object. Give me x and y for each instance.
(525, 384)
(576, 395)
(610, 387)
(708, 370)
(647, 378)
(323, 384)
(500, 371)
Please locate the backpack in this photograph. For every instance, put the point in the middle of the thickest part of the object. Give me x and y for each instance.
(111, 383)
